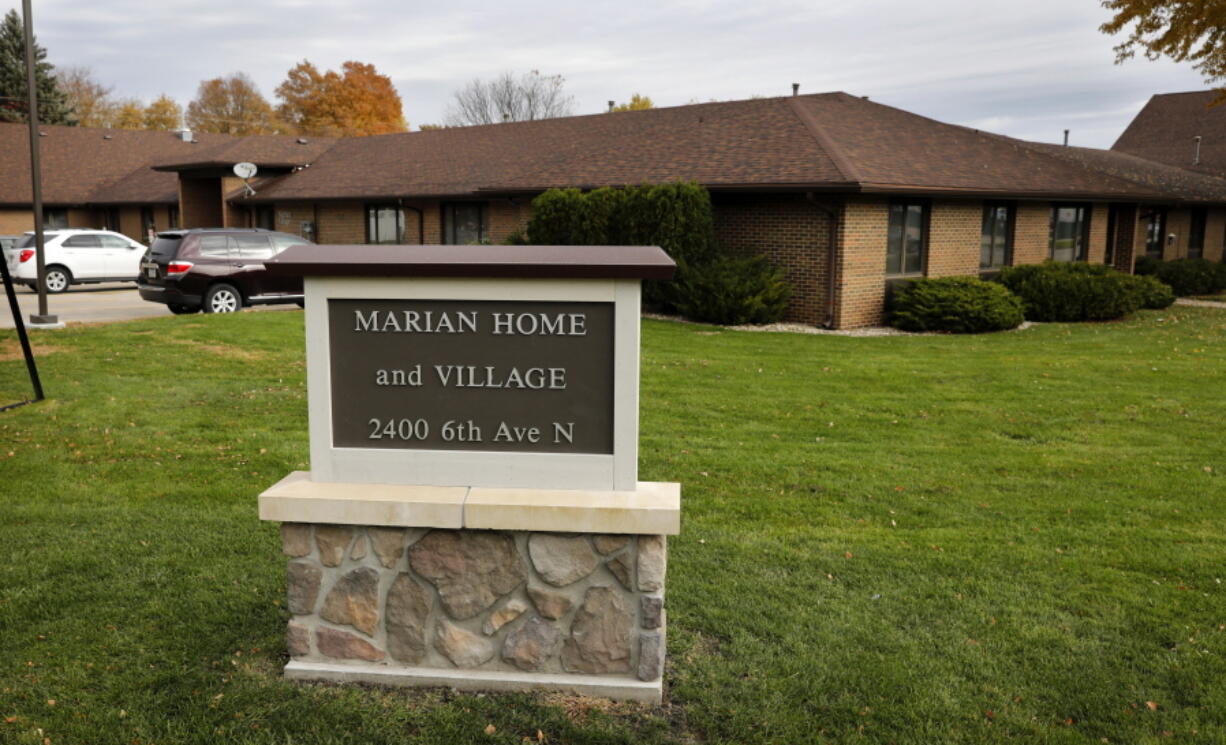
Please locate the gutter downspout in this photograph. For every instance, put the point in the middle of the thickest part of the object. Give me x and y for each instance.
(835, 215)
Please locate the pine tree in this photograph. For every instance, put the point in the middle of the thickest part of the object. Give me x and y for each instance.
(52, 104)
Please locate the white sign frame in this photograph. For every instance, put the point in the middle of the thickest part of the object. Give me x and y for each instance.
(603, 472)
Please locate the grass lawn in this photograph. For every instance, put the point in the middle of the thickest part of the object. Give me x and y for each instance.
(1008, 538)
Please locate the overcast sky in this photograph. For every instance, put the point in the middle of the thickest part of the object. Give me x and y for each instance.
(1026, 69)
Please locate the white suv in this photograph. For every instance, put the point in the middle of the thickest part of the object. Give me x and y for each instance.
(76, 257)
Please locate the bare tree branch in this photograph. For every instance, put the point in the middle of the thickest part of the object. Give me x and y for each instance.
(510, 98)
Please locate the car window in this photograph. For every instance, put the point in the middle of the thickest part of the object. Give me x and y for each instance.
(26, 241)
(113, 241)
(253, 246)
(81, 241)
(216, 246)
(281, 241)
(166, 246)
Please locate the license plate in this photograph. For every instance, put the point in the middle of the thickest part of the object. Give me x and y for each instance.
(151, 272)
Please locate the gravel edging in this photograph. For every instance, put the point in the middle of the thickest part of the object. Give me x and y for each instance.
(1199, 303)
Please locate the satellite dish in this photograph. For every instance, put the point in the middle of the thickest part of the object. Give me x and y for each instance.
(245, 170)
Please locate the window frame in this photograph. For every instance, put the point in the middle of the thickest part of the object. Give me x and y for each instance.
(371, 209)
(448, 221)
(925, 207)
(172, 217)
(1082, 248)
(1010, 228)
(55, 218)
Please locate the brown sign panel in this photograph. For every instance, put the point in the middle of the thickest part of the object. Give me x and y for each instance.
(472, 375)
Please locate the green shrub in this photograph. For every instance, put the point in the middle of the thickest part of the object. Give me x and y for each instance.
(1145, 265)
(1192, 276)
(677, 217)
(1150, 292)
(516, 238)
(960, 305)
(733, 290)
(1071, 291)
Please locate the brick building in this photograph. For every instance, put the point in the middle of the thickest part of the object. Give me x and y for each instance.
(847, 195)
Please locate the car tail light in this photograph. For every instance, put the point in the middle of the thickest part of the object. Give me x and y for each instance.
(26, 255)
(177, 269)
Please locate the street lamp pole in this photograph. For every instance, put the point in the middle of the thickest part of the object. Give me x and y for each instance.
(43, 318)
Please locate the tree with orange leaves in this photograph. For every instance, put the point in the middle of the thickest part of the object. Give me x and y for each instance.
(1184, 30)
(354, 102)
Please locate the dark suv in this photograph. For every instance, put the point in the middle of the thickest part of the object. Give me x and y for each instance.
(219, 270)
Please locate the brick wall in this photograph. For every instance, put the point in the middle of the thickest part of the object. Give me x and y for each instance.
(1096, 251)
(1031, 228)
(342, 223)
(200, 202)
(955, 236)
(860, 275)
(13, 222)
(289, 217)
(507, 216)
(793, 234)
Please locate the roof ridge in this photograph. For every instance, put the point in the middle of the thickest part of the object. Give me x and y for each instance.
(841, 163)
(1037, 149)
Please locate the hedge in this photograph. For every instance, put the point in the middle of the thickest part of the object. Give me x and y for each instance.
(959, 305)
(1071, 291)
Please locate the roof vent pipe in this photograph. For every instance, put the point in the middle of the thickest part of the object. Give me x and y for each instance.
(1066, 138)
(1196, 155)
(611, 107)
(795, 89)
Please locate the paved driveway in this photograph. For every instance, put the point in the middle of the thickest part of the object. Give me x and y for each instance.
(102, 303)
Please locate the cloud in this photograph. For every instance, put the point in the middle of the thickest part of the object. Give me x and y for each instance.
(1023, 69)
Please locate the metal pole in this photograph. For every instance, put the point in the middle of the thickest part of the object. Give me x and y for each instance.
(31, 367)
(36, 179)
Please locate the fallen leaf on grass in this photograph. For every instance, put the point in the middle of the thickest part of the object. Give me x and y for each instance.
(1151, 705)
(490, 729)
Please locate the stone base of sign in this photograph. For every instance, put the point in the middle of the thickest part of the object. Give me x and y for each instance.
(620, 689)
(477, 609)
(652, 508)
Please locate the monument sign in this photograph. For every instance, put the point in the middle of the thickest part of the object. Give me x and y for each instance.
(473, 515)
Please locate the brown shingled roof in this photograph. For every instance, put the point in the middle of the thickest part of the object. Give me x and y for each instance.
(1163, 131)
(1175, 182)
(830, 141)
(268, 151)
(80, 164)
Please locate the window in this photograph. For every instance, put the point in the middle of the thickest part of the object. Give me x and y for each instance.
(1070, 228)
(384, 223)
(172, 217)
(906, 241)
(55, 218)
(464, 223)
(146, 221)
(111, 221)
(82, 241)
(216, 246)
(1196, 233)
(252, 246)
(996, 244)
(113, 241)
(1155, 231)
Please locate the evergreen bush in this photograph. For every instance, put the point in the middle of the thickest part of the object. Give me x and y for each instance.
(1071, 291)
(1150, 292)
(1192, 276)
(959, 305)
(732, 290)
(1145, 265)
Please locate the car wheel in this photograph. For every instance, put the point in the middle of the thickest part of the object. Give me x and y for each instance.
(222, 298)
(181, 310)
(57, 279)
